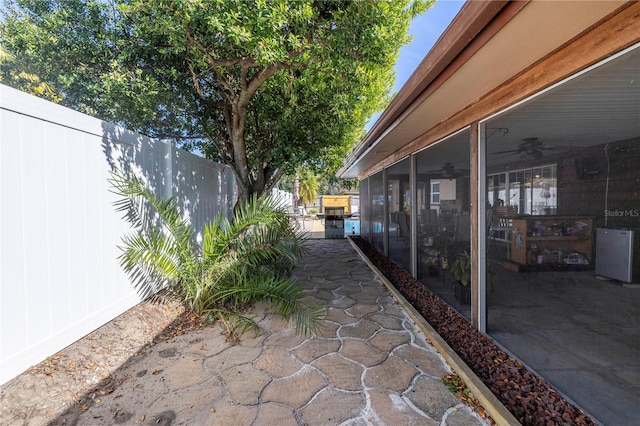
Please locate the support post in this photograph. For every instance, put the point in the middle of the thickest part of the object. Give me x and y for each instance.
(478, 228)
(413, 241)
(385, 210)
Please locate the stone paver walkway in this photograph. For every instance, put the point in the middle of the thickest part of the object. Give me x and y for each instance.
(370, 365)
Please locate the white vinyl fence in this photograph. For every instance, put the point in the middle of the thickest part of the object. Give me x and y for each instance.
(283, 198)
(59, 232)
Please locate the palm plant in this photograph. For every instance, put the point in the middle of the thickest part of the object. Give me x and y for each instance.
(309, 186)
(238, 262)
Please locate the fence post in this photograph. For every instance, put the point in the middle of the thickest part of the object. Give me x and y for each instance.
(169, 145)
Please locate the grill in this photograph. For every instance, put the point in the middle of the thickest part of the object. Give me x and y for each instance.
(334, 222)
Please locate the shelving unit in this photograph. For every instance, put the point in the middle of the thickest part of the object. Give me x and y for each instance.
(552, 243)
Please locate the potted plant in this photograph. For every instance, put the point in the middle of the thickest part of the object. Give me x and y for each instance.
(461, 272)
(429, 259)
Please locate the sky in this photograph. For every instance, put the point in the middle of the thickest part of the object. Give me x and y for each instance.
(425, 30)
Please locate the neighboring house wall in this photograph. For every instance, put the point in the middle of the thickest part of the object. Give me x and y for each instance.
(59, 277)
(447, 191)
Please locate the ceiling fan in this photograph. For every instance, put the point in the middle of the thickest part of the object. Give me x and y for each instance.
(531, 149)
(448, 171)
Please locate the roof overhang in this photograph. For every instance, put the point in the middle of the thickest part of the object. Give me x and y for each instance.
(486, 45)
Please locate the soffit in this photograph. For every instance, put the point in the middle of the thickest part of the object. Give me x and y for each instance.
(536, 31)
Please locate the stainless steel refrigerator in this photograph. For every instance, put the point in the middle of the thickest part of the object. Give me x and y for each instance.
(614, 254)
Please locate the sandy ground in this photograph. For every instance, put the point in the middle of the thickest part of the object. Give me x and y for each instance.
(44, 391)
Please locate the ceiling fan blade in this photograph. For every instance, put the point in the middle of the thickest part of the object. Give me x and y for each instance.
(511, 151)
(554, 148)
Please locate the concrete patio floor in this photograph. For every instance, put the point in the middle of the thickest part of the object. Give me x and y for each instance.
(371, 364)
(581, 333)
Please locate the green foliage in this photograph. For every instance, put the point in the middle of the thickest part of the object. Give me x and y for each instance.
(263, 86)
(239, 261)
(461, 268)
(431, 257)
(327, 182)
(308, 186)
(30, 83)
(456, 385)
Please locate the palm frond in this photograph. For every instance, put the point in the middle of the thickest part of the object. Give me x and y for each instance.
(144, 208)
(235, 324)
(284, 296)
(240, 261)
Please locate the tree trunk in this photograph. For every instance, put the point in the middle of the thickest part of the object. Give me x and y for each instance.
(240, 162)
(238, 102)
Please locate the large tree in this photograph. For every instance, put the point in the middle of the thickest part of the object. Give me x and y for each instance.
(261, 85)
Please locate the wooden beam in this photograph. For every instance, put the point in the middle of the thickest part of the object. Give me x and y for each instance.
(610, 37)
(613, 34)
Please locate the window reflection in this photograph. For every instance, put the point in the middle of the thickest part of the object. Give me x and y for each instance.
(443, 207)
(532, 191)
(376, 190)
(365, 209)
(399, 196)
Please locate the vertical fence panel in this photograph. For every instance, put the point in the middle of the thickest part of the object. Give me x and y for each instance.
(35, 230)
(12, 245)
(59, 232)
(58, 227)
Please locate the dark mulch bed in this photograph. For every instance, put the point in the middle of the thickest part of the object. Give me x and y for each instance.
(530, 398)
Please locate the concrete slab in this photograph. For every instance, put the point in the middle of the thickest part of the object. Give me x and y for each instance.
(372, 365)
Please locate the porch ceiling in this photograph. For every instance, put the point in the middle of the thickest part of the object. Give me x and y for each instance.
(538, 29)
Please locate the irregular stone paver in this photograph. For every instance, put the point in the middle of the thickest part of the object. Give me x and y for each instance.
(185, 372)
(271, 414)
(392, 409)
(328, 330)
(295, 391)
(393, 373)
(342, 373)
(460, 415)
(387, 321)
(390, 307)
(315, 348)
(229, 358)
(368, 366)
(272, 323)
(362, 352)
(325, 295)
(332, 407)
(362, 309)
(429, 361)
(386, 341)
(431, 397)
(278, 362)
(230, 414)
(340, 316)
(200, 398)
(363, 329)
(342, 302)
(287, 339)
(236, 380)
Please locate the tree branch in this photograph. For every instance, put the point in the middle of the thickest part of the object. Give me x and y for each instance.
(214, 62)
(194, 78)
(263, 75)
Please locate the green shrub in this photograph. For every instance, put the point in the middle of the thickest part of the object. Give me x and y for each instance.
(461, 268)
(238, 261)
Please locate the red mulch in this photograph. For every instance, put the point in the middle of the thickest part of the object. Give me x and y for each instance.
(530, 398)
